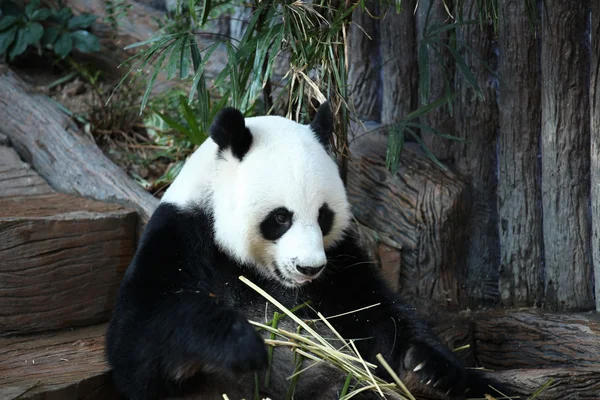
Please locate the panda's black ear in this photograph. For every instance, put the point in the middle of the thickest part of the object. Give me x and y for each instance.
(228, 130)
(322, 125)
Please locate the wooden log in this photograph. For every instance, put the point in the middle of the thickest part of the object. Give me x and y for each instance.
(66, 158)
(476, 120)
(441, 69)
(61, 260)
(59, 366)
(364, 63)
(421, 208)
(566, 156)
(534, 339)
(519, 194)
(17, 178)
(595, 145)
(567, 383)
(398, 62)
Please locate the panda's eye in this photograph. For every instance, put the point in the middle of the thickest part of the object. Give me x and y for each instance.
(276, 223)
(281, 219)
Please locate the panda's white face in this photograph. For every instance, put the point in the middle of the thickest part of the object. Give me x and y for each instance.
(278, 207)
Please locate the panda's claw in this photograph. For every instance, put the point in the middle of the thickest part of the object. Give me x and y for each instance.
(435, 367)
(419, 367)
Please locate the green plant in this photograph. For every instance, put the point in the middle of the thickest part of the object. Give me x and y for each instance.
(116, 10)
(314, 38)
(44, 29)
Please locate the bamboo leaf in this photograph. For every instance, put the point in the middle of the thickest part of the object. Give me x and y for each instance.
(426, 149)
(184, 60)
(395, 147)
(466, 71)
(160, 38)
(173, 124)
(157, 68)
(206, 7)
(174, 59)
(199, 70)
(428, 108)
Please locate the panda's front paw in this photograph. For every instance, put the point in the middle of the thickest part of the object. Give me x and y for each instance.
(436, 367)
(244, 347)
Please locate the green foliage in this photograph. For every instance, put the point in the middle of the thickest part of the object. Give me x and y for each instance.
(313, 37)
(116, 10)
(307, 31)
(44, 29)
(409, 126)
(177, 133)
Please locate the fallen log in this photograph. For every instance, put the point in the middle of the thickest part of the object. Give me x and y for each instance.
(61, 256)
(533, 339)
(518, 338)
(61, 365)
(562, 383)
(66, 158)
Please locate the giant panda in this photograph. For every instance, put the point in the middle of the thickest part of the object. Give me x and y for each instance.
(260, 198)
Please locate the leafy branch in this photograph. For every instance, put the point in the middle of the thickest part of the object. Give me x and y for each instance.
(44, 28)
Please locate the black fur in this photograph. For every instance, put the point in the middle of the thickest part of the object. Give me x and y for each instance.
(228, 130)
(276, 224)
(181, 312)
(325, 219)
(322, 124)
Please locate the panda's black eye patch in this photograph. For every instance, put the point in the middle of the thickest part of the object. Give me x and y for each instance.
(325, 219)
(276, 223)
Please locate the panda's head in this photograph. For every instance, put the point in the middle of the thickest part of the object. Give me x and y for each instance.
(275, 193)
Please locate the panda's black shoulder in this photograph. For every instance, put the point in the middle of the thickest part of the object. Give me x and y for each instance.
(174, 239)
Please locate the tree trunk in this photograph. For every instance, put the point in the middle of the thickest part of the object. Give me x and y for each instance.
(440, 70)
(363, 74)
(520, 214)
(477, 121)
(595, 136)
(399, 63)
(566, 155)
(66, 158)
(421, 209)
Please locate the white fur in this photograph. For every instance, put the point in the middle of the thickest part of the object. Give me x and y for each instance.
(286, 166)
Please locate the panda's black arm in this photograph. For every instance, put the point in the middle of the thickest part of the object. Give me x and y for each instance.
(170, 320)
(394, 329)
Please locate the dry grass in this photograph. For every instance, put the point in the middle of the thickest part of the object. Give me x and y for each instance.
(344, 356)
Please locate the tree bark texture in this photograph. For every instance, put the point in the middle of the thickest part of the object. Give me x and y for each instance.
(534, 339)
(17, 178)
(365, 63)
(432, 13)
(568, 384)
(63, 365)
(566, 155)
(61, 257)
(399, 62)
(422, 210)
(476, 120)
(519, 194)
(595, 145)
(66, 158)
(61, 260)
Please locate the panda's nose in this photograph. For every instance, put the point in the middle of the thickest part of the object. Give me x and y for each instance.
(310, 271)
